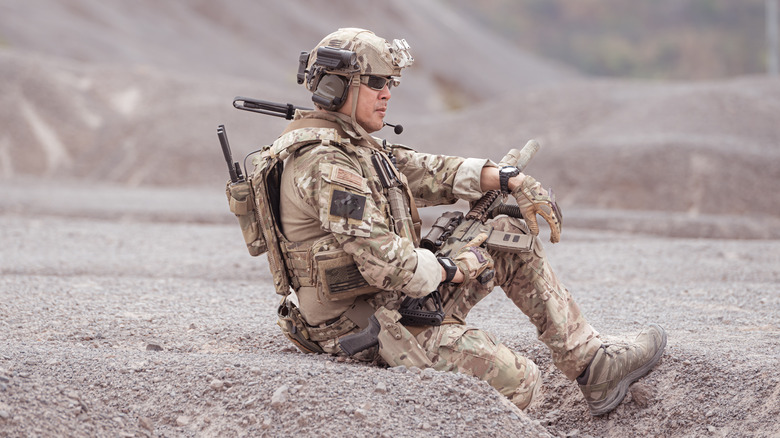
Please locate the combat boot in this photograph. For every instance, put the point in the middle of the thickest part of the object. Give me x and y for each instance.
(605, 382)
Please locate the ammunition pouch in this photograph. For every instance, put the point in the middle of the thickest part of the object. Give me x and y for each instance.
(242, 204)
(324, 265)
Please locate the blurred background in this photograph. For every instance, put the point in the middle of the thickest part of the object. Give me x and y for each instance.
(657, 117)
(664, 39)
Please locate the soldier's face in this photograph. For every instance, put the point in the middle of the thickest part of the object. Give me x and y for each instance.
(371, 107)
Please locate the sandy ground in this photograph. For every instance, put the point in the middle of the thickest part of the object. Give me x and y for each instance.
(137, 312)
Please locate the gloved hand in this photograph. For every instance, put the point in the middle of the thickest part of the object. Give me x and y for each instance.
(532, 200)
(473, 259)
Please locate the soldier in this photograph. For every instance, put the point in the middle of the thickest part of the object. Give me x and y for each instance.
(350, 242)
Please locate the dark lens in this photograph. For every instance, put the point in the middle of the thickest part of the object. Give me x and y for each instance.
(377, 82)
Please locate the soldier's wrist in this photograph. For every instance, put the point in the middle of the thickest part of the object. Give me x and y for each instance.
(463, 272)
(449, 269)
(516, 182)
(460, 277)
(504, 175)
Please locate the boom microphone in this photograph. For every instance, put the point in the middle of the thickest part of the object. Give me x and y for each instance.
(396, 128)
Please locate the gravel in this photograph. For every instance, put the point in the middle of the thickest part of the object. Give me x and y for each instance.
(120, 323)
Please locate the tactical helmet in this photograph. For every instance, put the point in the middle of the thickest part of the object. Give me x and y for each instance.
(329, 67)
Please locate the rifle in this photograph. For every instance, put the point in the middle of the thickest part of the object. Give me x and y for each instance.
(448, 235)
(453, 230)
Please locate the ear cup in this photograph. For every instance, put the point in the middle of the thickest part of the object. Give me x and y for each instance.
(331, 92)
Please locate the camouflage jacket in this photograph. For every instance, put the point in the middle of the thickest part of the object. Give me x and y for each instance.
(321, 178)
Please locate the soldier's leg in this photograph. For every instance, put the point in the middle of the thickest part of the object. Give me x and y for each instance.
(528, 280)
(458, 348)
(603, 371)
(453, 347)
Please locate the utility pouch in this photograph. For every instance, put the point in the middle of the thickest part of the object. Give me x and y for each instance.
(242, 204)
(294, 328)
(338, 277)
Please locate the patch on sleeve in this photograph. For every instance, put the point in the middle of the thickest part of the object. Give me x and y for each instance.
(347, 205)
(347, 178)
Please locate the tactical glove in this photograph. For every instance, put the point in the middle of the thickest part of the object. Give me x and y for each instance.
(532, 200)
(473, 259)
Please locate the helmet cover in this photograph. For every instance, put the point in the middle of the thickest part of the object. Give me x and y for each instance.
(374, 55)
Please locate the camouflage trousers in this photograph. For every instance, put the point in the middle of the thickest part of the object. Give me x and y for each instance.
(528, 280)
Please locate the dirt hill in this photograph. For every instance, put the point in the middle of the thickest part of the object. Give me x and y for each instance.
(693, 149)
(132, 94)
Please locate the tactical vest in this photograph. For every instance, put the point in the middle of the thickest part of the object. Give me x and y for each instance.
(256, 205)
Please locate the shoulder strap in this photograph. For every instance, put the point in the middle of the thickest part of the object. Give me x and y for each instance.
(305, 131)
(311, 122)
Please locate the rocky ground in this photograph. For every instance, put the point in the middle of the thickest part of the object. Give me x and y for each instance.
(129, 306)
(135, 312)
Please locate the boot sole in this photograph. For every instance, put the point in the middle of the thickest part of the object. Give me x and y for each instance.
(622, 387)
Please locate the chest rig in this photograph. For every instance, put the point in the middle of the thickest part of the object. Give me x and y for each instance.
(318, 263)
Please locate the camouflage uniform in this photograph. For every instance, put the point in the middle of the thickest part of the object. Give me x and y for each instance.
(323, 173)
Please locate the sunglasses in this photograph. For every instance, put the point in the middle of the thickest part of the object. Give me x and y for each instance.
(378, 82)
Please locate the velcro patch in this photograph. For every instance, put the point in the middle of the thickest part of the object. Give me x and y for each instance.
(347, 205)
(346, 177)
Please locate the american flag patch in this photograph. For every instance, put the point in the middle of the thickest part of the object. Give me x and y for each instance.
(346, 177)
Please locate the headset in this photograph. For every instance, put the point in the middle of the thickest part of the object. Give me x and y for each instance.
(329, 90)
